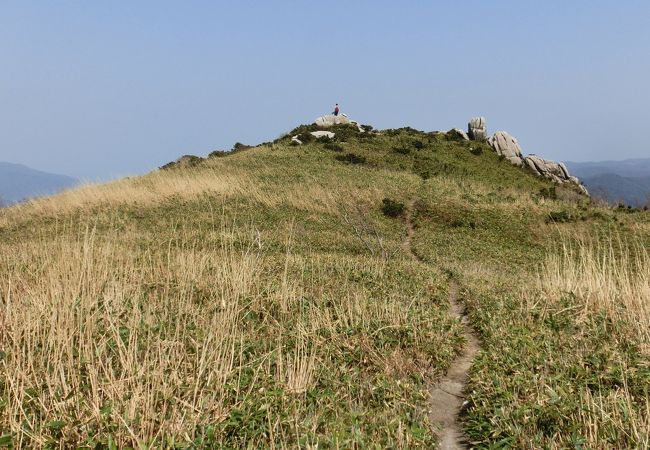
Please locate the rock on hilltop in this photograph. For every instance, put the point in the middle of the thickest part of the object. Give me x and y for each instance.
(330, 120)
(507, 146)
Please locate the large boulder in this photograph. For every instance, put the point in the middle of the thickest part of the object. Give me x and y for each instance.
(507, 146)
(330, 120)
(322, 133)
(550, 169)
(477, 129)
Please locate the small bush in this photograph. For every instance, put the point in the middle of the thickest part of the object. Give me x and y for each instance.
(476, 151)
(562, 216)
(345, 132)
(418, 145)
(454, 135)
(323, 139)
(402, 150)
(333, 147)
(367, 128)
(548, 193)
(392, 208)
(219, 154)
(351, 158)
(305, 138)
(183, 161)
(239, 147)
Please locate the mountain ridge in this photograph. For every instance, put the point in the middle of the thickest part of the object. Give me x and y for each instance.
(624, 181)
(19, 182)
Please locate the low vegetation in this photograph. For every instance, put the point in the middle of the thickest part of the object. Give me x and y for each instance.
(266, 299)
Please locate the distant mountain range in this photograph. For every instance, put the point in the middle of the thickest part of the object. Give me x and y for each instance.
(616, 181)
(18, 182)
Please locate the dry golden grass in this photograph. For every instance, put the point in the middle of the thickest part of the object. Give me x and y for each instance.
(609, 276)
(104, 339)
(94, 333)
(319, 195)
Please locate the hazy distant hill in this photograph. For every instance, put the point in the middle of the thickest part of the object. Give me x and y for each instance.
(627, 181)
(18, 182)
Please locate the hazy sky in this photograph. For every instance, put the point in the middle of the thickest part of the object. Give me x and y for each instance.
(99, 89)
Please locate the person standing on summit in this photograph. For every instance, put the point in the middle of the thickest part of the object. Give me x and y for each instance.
(336, 110)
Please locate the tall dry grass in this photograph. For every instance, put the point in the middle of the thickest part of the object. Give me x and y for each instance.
(97, 339)
(322, 196)
(608, 276)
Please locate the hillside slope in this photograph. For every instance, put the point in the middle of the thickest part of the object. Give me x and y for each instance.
(18, 182)
(269, 298)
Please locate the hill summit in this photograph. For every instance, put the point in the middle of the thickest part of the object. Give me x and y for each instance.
(338, 287)
(501, 142)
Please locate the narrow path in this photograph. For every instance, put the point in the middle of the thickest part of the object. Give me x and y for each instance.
(447, 395)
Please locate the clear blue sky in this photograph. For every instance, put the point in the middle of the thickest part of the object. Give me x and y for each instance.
(99, 89)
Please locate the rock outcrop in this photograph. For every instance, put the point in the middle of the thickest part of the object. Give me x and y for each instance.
(506, 146)
(320, 134)
(477, 129)
(330, 120)
(317, 134)
(552, 170)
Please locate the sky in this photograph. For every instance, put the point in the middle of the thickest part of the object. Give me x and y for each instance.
(98, 90)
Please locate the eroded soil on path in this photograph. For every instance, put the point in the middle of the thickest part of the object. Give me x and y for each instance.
(447, 395)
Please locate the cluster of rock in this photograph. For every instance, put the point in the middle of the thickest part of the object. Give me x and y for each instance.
(327, 121)
(316, 134)
(341, 119)
(477, 129)
(508, 147)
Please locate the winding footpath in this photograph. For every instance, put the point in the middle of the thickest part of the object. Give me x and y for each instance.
(447, 396)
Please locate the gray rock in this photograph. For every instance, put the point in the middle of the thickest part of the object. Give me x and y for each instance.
(507, 146)
(330, 119)
(319, 134)
(552, 170)
(342, 119)
(477, 129)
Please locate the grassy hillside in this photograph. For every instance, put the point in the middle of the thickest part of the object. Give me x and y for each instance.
(265, 298)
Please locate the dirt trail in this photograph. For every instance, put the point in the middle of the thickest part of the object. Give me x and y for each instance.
(447, 395)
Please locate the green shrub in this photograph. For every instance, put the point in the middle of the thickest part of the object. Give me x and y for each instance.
(306, 137)
(333, 147)
(239, 147)
(392, 208)
(548, 192)
(367, 128)
(454, 135)
(351, 158)
(402, 150)
(561, 216)
(219, 153)
(418, 145)
(476, 151)
(183, 161)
